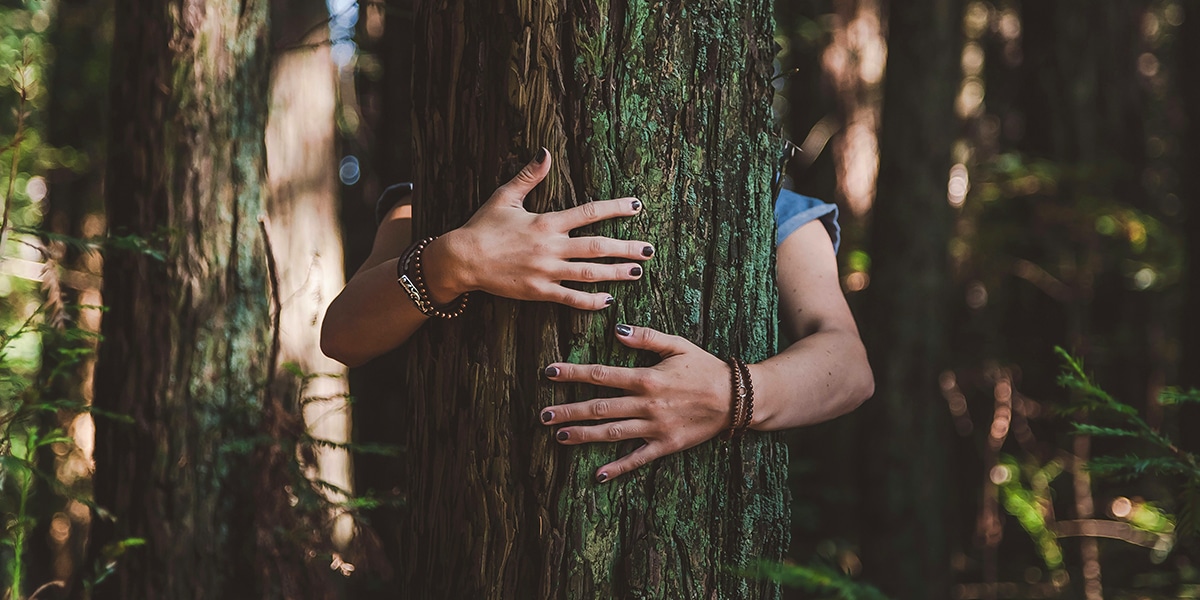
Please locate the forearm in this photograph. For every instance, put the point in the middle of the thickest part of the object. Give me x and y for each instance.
(372, 315)
(822, 376)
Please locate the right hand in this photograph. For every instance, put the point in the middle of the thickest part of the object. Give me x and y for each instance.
(507, 251)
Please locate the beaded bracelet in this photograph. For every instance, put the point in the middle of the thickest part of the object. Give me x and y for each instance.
(410, 262)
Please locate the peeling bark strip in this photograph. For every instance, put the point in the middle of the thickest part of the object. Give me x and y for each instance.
(667, 101)
(188, 341)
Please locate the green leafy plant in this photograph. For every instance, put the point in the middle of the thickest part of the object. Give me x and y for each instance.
(1157, 454)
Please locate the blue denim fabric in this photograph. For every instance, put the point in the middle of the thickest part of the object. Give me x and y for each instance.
(793, 210)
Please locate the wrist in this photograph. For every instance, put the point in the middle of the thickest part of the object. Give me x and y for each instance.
(446, 272)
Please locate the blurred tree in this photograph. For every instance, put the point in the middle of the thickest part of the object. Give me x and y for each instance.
(74, 206)
(669, 102)
(200, 471)
(384, 141)
(1189, 158)
(303, 207)
(904, 494)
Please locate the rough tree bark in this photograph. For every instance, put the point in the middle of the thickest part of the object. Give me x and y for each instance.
(667, 101)
(189, 344)
(905, 545)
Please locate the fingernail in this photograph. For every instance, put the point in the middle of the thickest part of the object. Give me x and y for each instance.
(562, 435)
(624, 330)
(602, 476)
(609, 300)
(637, 204)
(648, 251)
(541, 156)
(636, 272)
(551, 371)
(547, 416)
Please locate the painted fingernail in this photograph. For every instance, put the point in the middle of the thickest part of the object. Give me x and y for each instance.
(551, 371)
(602, 477)
(637, 204)
(562, 435)
(636, 272)
(547, 416)
(624, 330)
(648, 251)
(541, 156)
(609, 301)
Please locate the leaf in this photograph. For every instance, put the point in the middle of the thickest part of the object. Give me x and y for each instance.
(1096, 430)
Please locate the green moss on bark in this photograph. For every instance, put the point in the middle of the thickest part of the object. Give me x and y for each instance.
(668, 102)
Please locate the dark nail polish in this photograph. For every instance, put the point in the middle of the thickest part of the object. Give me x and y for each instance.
(602, 477)
(562, 435)
(609, 301)
(551, 371)
(648, 251)
(624, 330)
(636, 272)
(637, 205)
(547, 416)
(541, 156)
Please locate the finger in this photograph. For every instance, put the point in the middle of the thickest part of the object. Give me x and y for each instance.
(602, 247)
(592, 410)
(575, 298)
(625, 429)
(593, 272)
(515, 190)
(634, 460)
(592, 212)
(645, 338)
(622, 378)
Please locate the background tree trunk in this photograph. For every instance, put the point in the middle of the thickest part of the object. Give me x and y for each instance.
(190, 344)
(905, 545)
(668, 102)
(74, 207)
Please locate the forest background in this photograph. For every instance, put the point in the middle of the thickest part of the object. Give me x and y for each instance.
(1066, 216)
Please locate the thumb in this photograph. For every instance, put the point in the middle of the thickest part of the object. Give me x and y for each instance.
(645, 338)
(515, 190)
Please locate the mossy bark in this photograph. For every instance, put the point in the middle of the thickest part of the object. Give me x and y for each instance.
(189, 343)
(666, 101)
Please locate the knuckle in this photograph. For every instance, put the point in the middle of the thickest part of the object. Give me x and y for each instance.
(615, 432)
(590, 210)
(588, 274)
(601, 408)
(540, 223)
(646, 381)
(595, 246)
(598, 373)
(649, 336)
(640, 460)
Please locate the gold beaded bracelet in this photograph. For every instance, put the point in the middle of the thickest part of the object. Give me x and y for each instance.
(414, 285)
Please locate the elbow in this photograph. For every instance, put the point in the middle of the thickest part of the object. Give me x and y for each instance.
(335, 345)
(861, 381)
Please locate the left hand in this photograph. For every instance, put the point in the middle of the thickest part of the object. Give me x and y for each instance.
(674, 405)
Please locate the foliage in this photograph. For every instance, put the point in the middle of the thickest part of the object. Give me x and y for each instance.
(824, 581)
(1155, 454)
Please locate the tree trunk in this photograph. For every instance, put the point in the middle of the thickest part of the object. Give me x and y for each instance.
(668, 102)
(201, 470)
(1189, 192)
(905, 545)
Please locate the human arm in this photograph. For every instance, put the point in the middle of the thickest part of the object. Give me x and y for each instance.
(503, 250)
(684, 400)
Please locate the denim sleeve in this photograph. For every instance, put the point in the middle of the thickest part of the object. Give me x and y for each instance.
(793, 210)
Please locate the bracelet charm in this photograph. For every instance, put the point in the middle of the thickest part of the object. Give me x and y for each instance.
(411, 277)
